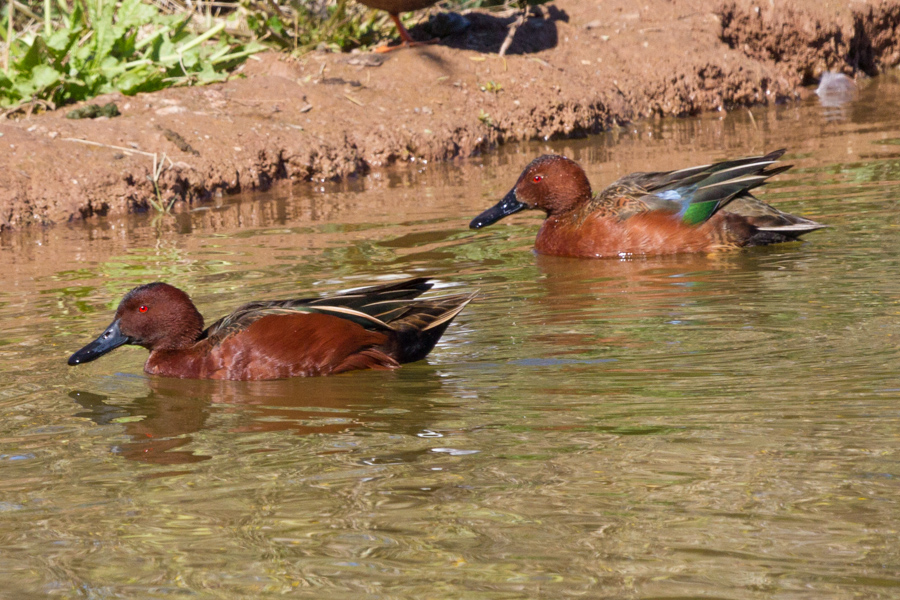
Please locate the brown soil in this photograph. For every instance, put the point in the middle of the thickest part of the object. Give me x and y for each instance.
(575, 68)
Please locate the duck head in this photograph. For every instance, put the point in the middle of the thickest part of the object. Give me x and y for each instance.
(157, 316)
(551, 183)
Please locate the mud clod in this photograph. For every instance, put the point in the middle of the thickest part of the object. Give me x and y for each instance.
(179, 141)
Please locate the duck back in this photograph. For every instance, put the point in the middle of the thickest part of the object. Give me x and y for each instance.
(380, 327)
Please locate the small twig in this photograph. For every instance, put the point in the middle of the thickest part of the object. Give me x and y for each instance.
(337, 15)
(752, 120)
(158, 168)
(154, 178)
(353, 100)
(10, 14)
(27, 108)
(512, 30)
(90, 143)
(48, 19)
(277, 8)
(23, 8)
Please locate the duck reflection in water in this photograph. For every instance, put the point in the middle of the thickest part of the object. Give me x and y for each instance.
(627, 301)
(160, 425)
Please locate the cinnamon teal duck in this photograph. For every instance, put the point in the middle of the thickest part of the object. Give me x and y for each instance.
(699, 209)
(377, 327)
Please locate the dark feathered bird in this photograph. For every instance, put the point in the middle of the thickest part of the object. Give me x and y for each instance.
(394, 8)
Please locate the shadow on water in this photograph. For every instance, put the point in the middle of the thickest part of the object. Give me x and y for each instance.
(161, 425)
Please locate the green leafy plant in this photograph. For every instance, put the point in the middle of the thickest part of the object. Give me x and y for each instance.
(95, 46)
(55, 52)
(301, 25)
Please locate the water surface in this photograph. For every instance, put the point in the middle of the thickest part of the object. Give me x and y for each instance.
(720, 426)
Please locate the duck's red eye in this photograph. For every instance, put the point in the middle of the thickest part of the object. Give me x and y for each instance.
(142, 308)
(538, 178)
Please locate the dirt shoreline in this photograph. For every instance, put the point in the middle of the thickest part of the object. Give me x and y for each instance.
(576, 68)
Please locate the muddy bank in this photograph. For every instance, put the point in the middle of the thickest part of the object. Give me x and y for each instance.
(575, 68)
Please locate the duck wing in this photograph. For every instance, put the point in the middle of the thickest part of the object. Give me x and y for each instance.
(372, 307)
(770, 224)
(694, 194)
(419, 325)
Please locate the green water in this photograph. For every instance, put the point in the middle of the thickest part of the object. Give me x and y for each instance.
(719, 426)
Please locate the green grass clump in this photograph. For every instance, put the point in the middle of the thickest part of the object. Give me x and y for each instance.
(79, 49)
(303, 25)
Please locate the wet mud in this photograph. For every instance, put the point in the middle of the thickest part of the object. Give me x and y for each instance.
(575, 67)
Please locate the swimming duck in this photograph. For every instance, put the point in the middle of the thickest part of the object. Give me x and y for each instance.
(699, 209)
(377, 327)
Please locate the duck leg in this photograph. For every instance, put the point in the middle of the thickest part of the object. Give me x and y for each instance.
(407, 40)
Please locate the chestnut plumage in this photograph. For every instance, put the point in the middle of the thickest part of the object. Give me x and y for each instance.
(698, 209)
(379, 327)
